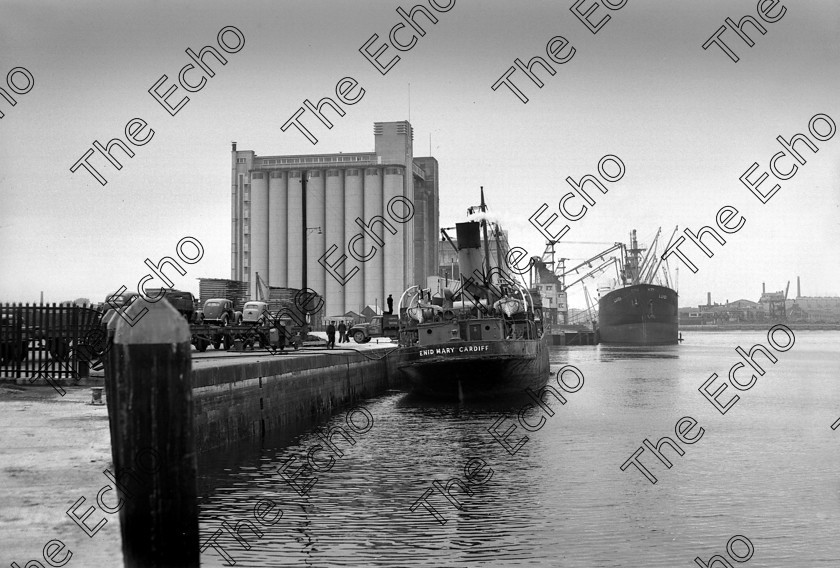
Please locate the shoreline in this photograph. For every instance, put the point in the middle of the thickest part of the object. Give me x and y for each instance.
(762, 326)
(53, 452)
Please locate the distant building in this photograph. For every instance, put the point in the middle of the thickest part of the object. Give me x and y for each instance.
(369, 311)
(772, 304)
(268, 224)
(582, 317)
(825, 309)
(739, 311)
(771, 307)
(555, 307)
(814, 309)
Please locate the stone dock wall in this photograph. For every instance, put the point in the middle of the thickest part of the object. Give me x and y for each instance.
(233, 402)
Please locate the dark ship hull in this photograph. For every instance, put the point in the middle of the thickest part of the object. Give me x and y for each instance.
(642, 314)
(476, 369)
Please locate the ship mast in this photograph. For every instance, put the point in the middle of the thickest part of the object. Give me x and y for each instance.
(496, 235)
(633, 259)
(484, 230)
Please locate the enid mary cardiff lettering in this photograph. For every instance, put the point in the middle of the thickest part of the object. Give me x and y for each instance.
(451, 350)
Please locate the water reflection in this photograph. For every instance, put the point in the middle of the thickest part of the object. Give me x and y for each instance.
(618, 353)
(561, 500)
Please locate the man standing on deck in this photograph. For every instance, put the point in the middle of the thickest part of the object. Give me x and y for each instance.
(390, 304)
(282, 336)
(331, 336)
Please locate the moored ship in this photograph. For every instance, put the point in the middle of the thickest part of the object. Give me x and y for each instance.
(476, 337)
(639, 311)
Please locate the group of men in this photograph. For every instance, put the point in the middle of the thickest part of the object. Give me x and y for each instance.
(342, 327)
(342, 334)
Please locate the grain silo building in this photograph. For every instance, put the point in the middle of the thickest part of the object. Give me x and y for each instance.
(269, 223)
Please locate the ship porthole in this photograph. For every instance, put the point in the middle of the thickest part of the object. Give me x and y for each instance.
(486, 328)
(429, 331)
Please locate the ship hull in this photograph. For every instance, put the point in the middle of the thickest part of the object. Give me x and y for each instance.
(642, 314)
(475, 369)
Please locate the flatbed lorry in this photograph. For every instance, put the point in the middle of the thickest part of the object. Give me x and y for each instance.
(386, 325)
(222, 326)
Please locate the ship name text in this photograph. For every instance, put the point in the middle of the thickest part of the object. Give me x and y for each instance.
(451, 350)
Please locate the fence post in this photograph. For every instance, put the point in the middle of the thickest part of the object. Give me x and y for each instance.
(109, 326)
(81, 327)
(28, 320)
(152, 439)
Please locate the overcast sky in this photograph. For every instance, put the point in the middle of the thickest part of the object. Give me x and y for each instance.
(685, 121)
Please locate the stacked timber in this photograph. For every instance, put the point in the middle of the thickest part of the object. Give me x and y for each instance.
(221, 288)
(287, 299)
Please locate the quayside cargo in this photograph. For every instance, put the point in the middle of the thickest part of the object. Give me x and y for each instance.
(480, 336)
(640, 310)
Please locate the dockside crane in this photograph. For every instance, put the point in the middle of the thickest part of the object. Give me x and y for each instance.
(631, 268)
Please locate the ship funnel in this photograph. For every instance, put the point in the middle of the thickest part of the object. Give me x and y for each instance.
(470, 257)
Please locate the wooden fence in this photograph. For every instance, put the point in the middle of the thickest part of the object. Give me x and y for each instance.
(50, 341)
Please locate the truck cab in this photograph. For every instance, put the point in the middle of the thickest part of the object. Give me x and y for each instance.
(386, 325)
(14, 336)
(184, 302)
(118, 300)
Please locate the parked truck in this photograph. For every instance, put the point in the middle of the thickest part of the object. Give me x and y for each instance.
(221, 311)
(386, 325)
(15, 336)
(59, 330)
(224, 316)
(184, 302)
(265, 334)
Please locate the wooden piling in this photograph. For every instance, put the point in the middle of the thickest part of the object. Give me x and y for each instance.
(109, 324)
(152, 439)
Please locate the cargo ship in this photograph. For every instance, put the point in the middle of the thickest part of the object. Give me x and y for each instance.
(639, 311)
(479, 336)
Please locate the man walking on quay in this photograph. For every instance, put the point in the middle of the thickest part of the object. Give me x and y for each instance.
(342, 332)
(390, 304)
(331, 336)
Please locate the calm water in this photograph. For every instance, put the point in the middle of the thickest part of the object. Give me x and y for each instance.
(769, 470)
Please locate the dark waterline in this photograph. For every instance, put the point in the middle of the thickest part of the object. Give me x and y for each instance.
(768, 470)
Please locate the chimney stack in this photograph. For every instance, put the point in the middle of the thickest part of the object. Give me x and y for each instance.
(798, 289)
(708, 298)
(762, 288)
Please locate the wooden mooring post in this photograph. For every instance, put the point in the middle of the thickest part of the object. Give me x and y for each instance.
(151, 419)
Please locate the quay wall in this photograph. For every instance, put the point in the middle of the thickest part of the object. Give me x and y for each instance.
(762, 326)
(233, 402)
